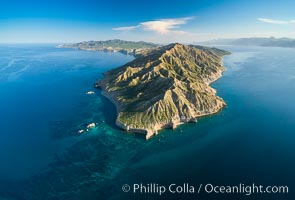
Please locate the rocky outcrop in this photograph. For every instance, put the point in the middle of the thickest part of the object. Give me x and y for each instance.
(164, 87)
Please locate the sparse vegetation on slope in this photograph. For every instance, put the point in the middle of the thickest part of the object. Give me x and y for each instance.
(164, 87)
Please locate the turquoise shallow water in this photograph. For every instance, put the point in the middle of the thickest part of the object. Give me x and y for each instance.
(43, 103)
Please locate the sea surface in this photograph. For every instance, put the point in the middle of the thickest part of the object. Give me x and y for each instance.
(43, 105)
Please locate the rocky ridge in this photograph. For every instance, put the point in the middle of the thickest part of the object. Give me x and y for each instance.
(165, 87)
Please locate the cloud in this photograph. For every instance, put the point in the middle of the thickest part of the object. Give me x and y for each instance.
(126, 28)
(162, 26)
(273, 21)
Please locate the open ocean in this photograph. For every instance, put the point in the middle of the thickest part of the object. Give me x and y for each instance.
(43, 105)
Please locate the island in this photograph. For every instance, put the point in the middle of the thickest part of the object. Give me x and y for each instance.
(116, 45)
(164, 87)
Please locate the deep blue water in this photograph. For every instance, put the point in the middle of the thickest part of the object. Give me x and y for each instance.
(41, 86)
(43, 104)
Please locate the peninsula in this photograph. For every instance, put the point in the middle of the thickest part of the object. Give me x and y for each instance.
(116, 45)
(164, 87)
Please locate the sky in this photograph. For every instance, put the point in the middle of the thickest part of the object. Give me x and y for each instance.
(159, 21)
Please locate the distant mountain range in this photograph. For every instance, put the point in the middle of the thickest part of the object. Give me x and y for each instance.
(255, 41)
(116, 45)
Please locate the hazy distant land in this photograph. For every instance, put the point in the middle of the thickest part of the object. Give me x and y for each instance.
(254, 41)
(116, 45)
